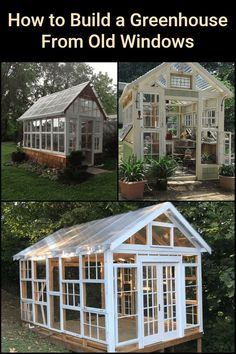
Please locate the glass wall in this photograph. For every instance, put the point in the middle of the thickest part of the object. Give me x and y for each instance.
(45, 134)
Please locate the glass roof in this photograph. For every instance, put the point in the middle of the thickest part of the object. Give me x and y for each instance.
(99, 235)
(54, 104)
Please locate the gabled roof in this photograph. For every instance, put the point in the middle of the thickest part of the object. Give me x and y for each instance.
(109, 233)
(55, 104)
(204, 80)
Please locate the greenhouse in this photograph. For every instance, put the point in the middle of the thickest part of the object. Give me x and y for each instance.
(62, 122)
(177, 109)
(126, 282)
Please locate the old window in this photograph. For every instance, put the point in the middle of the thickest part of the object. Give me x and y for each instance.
(161, 235)
(139, 238)
(151, 145)
(27, 311)
(151, 110)
(94, 325)
(180, 81)
(93, 266)
(180, 240)
(191, 296)
(127, 303)
(72, 321)
(58, 134)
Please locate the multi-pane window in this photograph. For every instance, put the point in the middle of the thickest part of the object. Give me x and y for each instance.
(209, 118)
(172, 125)
(190, 119)
(95, 325)
(127, 303)
(191, 296)
(169, 298)
(89, 107)
(180, 81)
(45, 134)
(26, 279)
(151, 110)
(151, 145)
(72, 134)
(27, 311)
(93, 266)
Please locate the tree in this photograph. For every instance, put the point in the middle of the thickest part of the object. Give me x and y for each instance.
(24, 83)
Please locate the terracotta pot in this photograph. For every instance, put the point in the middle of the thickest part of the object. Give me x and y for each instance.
(227, 183)
(132, 190)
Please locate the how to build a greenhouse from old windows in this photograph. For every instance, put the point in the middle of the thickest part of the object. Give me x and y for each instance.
(62, 122)
(177, 109)
(126, 282)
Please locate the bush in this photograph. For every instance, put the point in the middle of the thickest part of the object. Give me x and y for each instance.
(75, 158)
(132, 170)
(227, 170)
(18, 156)
(71, 175)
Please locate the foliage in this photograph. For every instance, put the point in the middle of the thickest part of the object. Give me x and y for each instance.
(18, 156)
(132, 169)
(206, 157)
(75, 158)
(20, 183)
(110, 144)
(163, 168)
(227, 170)
(23, 83)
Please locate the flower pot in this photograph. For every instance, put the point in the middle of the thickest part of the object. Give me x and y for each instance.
(161, 184)
(227, 183)
(132, 190)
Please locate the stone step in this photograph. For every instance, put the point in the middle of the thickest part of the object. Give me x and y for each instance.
(189, 178)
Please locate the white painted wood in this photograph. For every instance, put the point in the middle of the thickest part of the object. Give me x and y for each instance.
(200, 305)
(109, 301)
(48, 296)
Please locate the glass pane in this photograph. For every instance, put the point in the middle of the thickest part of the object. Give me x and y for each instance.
(127, 328)
(94, 295)
(161, 235)
(139, 238)
(55, 312)
(72, 321)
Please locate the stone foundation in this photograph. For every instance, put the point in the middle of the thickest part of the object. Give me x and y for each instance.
(41, 157)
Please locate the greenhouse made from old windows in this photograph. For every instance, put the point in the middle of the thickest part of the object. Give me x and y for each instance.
(177, 109)
(129, 281)
(68, 120)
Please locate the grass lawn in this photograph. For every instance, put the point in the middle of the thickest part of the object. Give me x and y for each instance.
(16, 337)
(19, 184)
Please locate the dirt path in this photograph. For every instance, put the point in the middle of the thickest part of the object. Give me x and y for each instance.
(16, 336)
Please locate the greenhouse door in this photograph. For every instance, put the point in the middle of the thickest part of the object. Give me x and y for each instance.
(159, 302)
(87, 141)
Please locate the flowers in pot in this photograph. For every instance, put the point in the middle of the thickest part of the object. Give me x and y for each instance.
(161, 169)
(227, 177)
(131, 173)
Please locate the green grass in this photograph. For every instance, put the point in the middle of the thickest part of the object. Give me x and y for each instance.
(20, 184)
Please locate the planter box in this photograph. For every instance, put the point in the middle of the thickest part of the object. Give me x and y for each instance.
(132, 190)
(227, 183)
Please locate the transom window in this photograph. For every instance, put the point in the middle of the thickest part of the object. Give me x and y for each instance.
(180, 81)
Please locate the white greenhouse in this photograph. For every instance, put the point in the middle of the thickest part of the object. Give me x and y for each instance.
(129, 282)
(177, 109)
(62, 122)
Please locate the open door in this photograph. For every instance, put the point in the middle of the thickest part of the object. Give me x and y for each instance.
(87, 144)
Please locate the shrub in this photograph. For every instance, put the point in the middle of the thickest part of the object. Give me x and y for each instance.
(227, 170)
(110, 144)
(132, 170)
(18, 156)
(75, 158)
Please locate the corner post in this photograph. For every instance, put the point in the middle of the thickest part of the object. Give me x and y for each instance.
(109, 301)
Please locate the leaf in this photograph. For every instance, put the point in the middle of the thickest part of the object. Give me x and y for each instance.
(13, 350)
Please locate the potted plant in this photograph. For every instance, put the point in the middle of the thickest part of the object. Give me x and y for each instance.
(161, 169)
(227, 177)
(131, 173)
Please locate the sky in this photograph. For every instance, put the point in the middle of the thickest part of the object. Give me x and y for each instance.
(110, 68)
